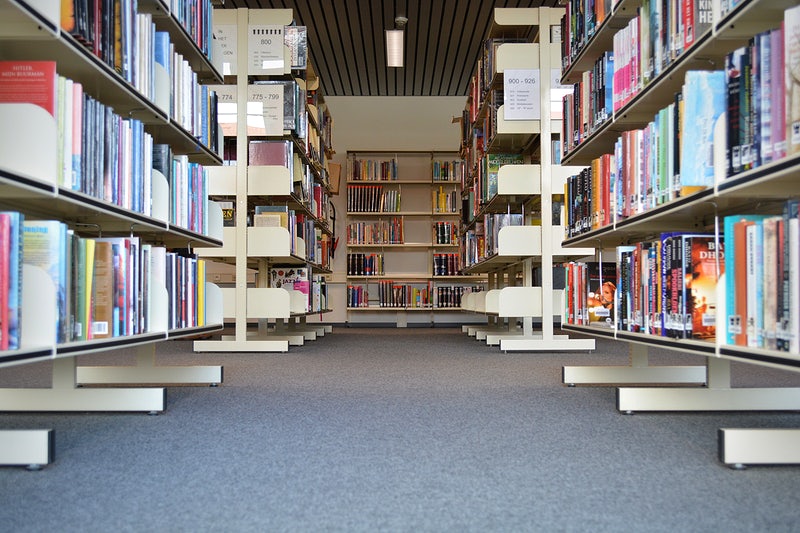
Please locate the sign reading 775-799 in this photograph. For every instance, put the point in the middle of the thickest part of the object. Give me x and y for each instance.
(521, 100)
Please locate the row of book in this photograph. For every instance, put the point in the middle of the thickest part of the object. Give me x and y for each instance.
(411, 295)
(376, 232)
(481, 83)
(673, 156)
(290, 116)
(308, 186)
(762, 286)
(117, 33)
(665, 287)
(313, 286)
(484, 181)
(103, 287)
(446, 264)
(581, 19)
(445, 232)
(300, 227)
(445, 201)
(372, 199)
(372, 170)
(188, 189)
(448, 170)
(362, 264)
(590, 104)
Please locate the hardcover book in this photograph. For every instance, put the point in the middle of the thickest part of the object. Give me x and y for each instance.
(704, 106)
(13, 274)
(33, 82)
(791, 35)
(44, 246)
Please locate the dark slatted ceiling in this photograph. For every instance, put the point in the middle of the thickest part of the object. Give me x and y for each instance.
(347, 47)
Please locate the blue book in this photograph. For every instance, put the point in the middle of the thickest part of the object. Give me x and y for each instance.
(704, 106)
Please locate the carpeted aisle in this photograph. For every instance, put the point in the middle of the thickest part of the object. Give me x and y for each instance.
(395, 430)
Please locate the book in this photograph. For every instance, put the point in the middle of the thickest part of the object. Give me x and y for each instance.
(703, 265)
(295, 38)
(791, 35)
(601, 290)
(292, 279)
(493, 162)
(271, 216)
(704, 106)
(45, 246)
(12, 323)
(5, 251)
(34, 82)
(270, 153)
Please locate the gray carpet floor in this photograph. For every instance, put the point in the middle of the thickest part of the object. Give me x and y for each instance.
(395, 430)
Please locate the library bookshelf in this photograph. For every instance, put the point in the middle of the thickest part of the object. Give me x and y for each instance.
(759, 188)
(275, 172)
(514, 188)
(402, 236)
(33, 186)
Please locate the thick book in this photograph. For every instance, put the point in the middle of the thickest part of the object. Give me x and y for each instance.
(5, 251)
(791, 35)
(33, 82)
(12, 324)
(44, 246)
(703, 266)
(704, 106)
(277, 153)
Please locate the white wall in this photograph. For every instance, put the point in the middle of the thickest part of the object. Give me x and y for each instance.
(384, 123)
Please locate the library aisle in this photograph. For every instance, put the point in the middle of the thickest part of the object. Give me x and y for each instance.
(433, 431)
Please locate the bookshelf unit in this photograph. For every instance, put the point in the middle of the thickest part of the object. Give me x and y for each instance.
(297, 185)
(757, 191)
(402, 235)
(514, 182)
(29, 184)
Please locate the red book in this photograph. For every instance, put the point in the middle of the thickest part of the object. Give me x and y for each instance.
(5, 251)
(32, 82)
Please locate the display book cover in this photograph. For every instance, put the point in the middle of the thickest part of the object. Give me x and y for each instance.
(292, 278)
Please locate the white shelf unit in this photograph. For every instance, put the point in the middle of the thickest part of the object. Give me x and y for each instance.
(280, 313)
(411, 262)
(747, 192)
(513, 301)
(28, 148)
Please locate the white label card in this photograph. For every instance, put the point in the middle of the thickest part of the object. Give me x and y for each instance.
(265, 43)
(265, 110)
(521, 94)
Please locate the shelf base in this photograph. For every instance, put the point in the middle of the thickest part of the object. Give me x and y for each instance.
(233, 345)
(33, 448)
(616, 375)
(556, 344)
(741, 447)
(65, 396)
(638, 372)
(146, 372)
(633, 399)
(494, 339)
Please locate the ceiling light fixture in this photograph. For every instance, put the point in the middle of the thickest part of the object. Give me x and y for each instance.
(394, 43)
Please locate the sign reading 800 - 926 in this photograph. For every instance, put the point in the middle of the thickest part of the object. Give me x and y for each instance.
(521, 99)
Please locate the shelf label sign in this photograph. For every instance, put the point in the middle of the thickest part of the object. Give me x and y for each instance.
(224, 47)
(521, 99)
(265, 110)
(265, 43)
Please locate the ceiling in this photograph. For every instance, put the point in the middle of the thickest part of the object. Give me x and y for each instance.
(347, 44)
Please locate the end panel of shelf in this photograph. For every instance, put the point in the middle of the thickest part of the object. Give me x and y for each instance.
(522, 241)
(512, 56)
(222, 180)
(28, 142)
(519, 180)
(228, 248)
(274, 242)
(268, 302)
(269, 180)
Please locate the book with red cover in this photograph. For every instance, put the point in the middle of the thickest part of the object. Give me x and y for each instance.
(32, 82)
